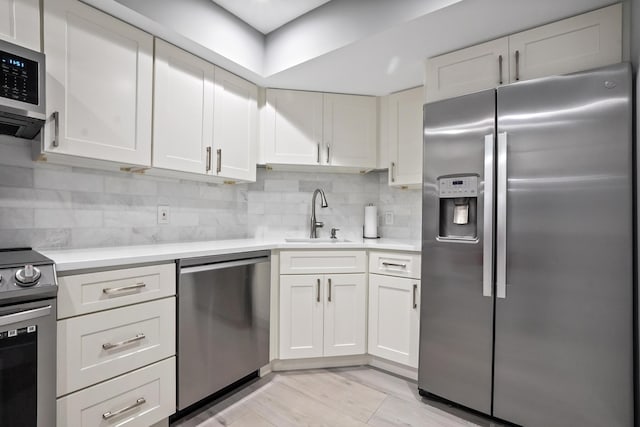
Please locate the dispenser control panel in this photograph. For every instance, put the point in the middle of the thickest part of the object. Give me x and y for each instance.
(458, 186)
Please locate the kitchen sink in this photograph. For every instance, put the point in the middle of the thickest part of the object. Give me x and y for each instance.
(318, 240)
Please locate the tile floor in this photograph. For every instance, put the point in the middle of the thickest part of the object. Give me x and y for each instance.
(358, 396)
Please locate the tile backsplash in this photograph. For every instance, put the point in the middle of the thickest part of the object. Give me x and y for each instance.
(51, 206)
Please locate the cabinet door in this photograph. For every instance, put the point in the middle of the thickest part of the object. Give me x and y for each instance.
(292, 132)
(301, 316)
(394, 318)
(467, 70)
(344, 314)
(405, 137)
(182, 110)
(20, 22)
(350, 124)
(99, 81)
(586, 41)
(235, 127)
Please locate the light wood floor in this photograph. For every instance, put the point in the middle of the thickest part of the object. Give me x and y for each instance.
(360, 396)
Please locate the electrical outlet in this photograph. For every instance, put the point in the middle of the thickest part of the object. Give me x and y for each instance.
(163, 214)
(388, 218)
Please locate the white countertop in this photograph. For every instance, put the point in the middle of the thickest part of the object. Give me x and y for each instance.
(90, 258)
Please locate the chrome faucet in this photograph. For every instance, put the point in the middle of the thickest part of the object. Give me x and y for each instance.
(313, 234)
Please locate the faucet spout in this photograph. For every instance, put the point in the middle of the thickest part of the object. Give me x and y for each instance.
(313, 234)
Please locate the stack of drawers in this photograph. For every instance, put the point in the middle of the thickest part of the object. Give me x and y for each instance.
(116, 347)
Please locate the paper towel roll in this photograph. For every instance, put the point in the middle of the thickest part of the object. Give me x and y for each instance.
(370, 222)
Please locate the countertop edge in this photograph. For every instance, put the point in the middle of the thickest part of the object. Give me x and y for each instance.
(104, 258)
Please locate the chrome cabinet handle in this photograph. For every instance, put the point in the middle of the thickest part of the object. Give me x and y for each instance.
(219, 164)
(487, 236)
(56, 128)
(328, 153)
(393, 264)
(501, 240)
(208, 167)
(329, 297)
(318, 157)
(415, 291)
(500, 68)
(123, 288)
(138, 402)
(393, 172)
(318, 292)
(517, 65)
(109, 346)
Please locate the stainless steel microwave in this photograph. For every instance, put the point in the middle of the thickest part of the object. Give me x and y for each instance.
(22, 91)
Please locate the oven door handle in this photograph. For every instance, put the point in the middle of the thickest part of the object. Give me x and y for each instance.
(25, 315)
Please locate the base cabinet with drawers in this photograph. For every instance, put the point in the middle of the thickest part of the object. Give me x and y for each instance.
(116, 347)
(322, 314)
(394, 307)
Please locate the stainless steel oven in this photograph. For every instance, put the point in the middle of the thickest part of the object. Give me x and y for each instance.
(27, 339)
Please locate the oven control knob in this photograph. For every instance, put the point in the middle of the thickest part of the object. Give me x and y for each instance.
(28, 276)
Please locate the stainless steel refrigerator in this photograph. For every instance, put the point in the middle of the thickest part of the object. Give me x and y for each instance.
(527, 251)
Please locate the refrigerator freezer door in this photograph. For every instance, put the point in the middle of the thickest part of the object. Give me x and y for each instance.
(563, 337)
(456, 329)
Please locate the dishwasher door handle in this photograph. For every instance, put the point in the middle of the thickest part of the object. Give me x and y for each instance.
(221, 265)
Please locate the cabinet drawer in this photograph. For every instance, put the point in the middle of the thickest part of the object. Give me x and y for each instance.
(87, 293)
(144, 397)
(401, 264)
(100, 346)
(319, 262)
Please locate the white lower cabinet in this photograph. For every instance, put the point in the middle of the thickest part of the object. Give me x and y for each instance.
(394, 318)
(138, 399)
(322, 315)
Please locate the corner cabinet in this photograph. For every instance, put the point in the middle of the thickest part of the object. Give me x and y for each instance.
(205, 118)
(394, 307)
(99, 85)
(20, 22)
(405, 137)
(312, 128)
(350, 123)
(322, 314)
(579, 43)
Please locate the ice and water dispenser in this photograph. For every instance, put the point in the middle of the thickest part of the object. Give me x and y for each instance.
(458, 207)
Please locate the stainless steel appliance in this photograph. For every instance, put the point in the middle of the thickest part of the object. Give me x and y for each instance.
(22, 91)
(28, 290)
(527, 268)
(223, 322)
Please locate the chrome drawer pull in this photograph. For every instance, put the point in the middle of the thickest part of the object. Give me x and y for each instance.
(393, 264)
(123, 289)
(415, 303)
(109, 346)
(110, 414)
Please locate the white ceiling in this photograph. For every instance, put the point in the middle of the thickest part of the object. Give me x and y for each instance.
(372, 47)
(267, 15)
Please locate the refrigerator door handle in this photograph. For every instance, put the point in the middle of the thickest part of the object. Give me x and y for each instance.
(487, 247)
(501, 241)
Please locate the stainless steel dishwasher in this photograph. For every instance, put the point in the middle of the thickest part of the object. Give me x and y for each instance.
(223, 322)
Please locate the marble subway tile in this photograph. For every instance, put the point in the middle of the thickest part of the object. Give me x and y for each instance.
(29, 198)
(16, 218)
(130, 185)
(123, 219)
(11, 176)
(67, 180)
(281, 185)
(67, 218)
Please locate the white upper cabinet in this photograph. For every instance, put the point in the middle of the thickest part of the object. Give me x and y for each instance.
(311, 128)
(182, 110)
(473, 69)
(585, 41)
(99, 82)
(235, 136)
(405, 137)
(20, 22)
(579, 43)
(349, 135)
(292, 131)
